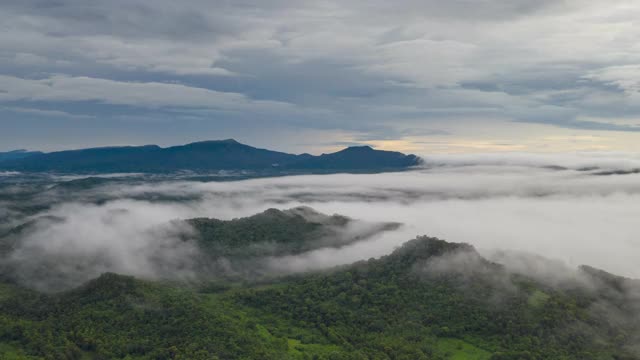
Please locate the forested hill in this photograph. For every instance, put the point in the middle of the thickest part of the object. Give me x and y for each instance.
(240, 249)
(427, 300)
(206, 156)
(282, 232)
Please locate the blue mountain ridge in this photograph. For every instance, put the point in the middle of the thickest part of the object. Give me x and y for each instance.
(213, 155)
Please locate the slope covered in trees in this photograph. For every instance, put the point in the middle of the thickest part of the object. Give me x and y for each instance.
(278, 233)
(429, 299)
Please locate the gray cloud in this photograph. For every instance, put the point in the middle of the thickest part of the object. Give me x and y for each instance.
(153, 95)
(357, 66)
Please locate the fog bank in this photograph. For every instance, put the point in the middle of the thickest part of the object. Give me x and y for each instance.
(558, 207)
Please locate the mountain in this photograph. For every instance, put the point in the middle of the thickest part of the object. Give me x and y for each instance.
(17, 154)
(358, 157)
(206, 156)
(429, 299)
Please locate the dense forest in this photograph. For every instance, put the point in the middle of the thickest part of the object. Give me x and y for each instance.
(276, 232)
(429, 299)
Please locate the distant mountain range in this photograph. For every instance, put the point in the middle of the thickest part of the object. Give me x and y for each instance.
(17, 154)
(201, 157)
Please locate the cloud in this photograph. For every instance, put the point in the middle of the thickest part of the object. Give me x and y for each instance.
(570, 123)
(519, 203)
(357, 66)
(625, 77)
(45, 113)
(558, 207)
(77, 242)
(150, 94)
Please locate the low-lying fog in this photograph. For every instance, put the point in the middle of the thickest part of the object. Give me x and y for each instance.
(580, 209)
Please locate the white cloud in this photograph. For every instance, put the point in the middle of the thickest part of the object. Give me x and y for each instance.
(515, 202)
(147, 94)
(627, 77)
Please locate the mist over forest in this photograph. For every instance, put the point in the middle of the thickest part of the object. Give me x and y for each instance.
(578, 210)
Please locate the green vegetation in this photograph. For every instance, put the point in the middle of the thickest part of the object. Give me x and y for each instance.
(278, 233)
(268, 233)
(461, 350)
(389, 308)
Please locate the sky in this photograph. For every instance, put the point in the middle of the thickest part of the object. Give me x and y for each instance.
(422, 76)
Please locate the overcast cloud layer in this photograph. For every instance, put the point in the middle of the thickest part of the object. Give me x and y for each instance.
(430, 75)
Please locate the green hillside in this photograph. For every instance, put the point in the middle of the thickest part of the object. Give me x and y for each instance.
(277, 233)
(429, 299)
